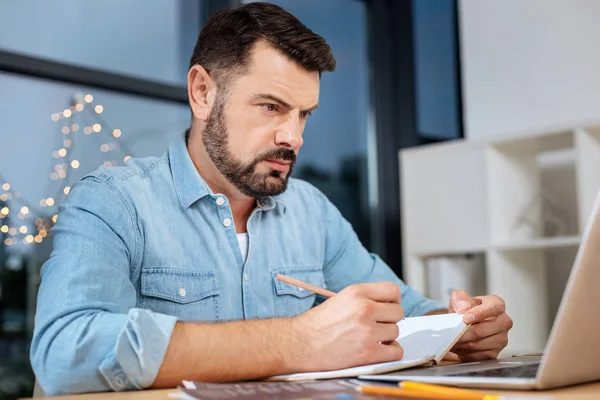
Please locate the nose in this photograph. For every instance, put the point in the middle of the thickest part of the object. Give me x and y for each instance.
(289, 135)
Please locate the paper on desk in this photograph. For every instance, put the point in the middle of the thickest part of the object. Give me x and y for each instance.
(330, 389)
(433, 334)
(424, 339)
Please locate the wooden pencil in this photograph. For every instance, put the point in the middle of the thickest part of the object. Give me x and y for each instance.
(304, 285)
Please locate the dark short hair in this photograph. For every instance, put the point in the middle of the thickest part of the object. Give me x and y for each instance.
(224, 44)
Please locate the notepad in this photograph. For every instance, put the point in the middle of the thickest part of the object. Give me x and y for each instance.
(425, 340)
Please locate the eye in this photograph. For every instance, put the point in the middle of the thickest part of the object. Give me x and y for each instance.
(305, 114)
(269, 107)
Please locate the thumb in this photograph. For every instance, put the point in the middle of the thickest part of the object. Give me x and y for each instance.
(461, 302)
(450, 356)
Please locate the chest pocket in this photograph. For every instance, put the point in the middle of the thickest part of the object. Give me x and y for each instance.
(291, 300)
(188, 295)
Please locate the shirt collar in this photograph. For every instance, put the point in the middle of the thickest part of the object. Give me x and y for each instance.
(189, 184)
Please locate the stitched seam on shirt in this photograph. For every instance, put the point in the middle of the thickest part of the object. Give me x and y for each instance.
(110, 184)
(169, 296)
(170, 271)
(104, 175)
(283, 289)
(146, 171)
(175, 183)
(100, 176)
(342, 248)
(204, 293)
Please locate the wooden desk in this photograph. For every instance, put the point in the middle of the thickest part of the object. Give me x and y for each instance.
(581, 392)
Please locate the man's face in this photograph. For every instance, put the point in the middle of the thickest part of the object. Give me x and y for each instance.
(253, 135)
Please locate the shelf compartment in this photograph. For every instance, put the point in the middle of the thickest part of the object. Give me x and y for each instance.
(539, 243)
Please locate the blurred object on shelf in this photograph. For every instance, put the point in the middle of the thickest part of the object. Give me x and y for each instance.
(460, 272)
(542, 216)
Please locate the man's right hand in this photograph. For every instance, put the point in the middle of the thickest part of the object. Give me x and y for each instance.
(355, 327)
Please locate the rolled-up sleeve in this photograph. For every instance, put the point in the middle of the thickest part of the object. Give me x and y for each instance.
(347, 262)
(89, 336)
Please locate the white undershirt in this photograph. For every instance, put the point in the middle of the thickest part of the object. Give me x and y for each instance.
(242, 239)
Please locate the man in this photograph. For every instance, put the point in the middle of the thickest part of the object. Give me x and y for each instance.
(147, 255)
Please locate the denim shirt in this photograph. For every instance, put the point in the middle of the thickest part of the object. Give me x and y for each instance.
(139, 247)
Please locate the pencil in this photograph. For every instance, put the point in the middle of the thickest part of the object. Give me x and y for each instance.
(418, 394)
(443, 390)
(304, 285)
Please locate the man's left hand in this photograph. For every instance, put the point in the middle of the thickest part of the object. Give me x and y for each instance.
(488, 333)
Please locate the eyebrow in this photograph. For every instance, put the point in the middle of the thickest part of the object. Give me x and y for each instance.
(266, 96)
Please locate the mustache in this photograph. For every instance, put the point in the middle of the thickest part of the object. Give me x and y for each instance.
(278, 154)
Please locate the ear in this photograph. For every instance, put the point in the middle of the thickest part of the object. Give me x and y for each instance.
(201, 92)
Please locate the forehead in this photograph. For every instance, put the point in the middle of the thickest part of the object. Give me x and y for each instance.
(272, 72)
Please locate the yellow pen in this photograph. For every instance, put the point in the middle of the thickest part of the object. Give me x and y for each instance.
(409, 394)
(446, 390)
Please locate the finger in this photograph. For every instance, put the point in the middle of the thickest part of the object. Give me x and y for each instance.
(387, 312)
(389, 352)
(495, 342)
(490, 327)
(450, 356)
(477, 355)
(378, 291)
(460, 301)
(491, 306)
(481, 331)
(386, 332)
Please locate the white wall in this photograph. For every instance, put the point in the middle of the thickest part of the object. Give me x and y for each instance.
(532, 65)
(528, 64)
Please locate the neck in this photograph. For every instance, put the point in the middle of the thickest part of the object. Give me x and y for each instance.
(241, 205)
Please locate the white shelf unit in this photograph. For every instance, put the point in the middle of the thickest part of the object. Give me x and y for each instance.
(465, 197)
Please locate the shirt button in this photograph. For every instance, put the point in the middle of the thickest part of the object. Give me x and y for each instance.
(246, 276)
(182, 292)
(227, 222)
(220, 201)
(119, 382)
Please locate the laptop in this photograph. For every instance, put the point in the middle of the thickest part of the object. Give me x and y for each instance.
(572, 353)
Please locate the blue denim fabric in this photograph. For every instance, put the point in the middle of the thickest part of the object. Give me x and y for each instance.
(137, 248)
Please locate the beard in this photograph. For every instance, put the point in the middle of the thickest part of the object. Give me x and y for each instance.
(243, 175)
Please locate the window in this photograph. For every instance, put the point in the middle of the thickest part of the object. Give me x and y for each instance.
(437, 89)
(108, 128)
(54, 133)
(153, 39)
(41, 158)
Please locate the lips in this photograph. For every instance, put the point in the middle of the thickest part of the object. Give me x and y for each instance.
(280, 165)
